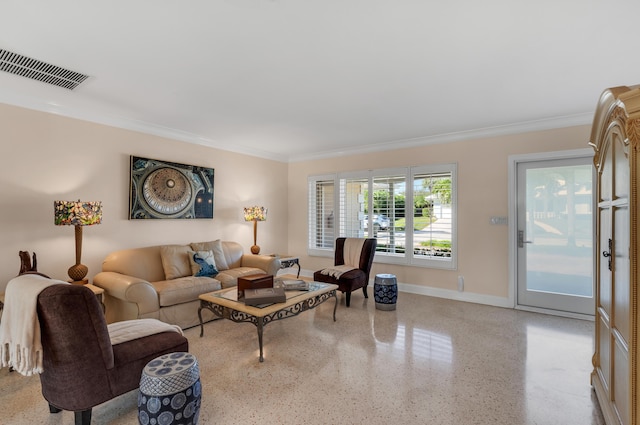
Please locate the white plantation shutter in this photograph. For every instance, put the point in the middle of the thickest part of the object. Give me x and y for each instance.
(352, 206)
(322, 213)
(410, 211)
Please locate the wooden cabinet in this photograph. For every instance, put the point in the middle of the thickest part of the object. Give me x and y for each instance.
(615, 137)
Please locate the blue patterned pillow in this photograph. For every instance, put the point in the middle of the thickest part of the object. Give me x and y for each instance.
(203, 263)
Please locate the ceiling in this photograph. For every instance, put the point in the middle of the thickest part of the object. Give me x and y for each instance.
(294, 80)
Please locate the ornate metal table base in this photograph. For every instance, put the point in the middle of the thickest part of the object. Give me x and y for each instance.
(260, 322)
(287, 261)
(290, 262)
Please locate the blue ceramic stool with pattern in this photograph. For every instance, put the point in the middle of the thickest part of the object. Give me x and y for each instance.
(385, 291)
(170, 391)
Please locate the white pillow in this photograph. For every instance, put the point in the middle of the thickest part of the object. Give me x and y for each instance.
(216, 248)
(175, 261)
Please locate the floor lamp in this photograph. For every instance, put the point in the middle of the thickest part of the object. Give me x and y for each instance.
(78, 214)
(255, 214)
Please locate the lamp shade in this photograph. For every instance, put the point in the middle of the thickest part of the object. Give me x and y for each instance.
(255, 213)
(77, 213)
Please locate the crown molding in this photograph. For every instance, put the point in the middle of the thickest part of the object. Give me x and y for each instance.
(112, 120)
(481, 133)
(118, 121)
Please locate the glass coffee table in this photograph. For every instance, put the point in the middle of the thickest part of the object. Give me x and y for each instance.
(224, 304)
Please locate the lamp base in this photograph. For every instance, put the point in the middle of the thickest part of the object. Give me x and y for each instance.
(255, 249)
(77, 272)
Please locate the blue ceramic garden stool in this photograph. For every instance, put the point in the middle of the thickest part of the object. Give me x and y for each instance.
(170, 391)
(385, 291)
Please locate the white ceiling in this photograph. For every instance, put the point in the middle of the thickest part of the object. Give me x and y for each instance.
(301, 79)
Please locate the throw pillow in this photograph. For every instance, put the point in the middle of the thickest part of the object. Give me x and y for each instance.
(203, 263)
(175, 261)
(216, 248)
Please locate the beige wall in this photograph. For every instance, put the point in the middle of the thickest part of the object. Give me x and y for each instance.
(482, 193)
(45, 157)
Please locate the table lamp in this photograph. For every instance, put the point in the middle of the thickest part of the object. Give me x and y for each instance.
(78, 214)
(255, 214)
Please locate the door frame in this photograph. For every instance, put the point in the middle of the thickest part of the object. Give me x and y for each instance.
(513, 161)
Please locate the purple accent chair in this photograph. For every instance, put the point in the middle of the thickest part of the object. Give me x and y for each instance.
(353, 279)
(81, 367)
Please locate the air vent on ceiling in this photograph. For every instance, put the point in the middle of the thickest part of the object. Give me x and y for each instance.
(40, 71)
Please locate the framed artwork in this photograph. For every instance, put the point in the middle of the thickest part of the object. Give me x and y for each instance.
(161, 189)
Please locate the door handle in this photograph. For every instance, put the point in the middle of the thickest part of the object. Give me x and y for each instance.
(521, 240)
(607, 254)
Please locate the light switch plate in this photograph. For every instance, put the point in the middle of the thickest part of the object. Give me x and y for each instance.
(498, 220)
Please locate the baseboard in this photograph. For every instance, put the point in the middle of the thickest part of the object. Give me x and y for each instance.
(442, 293)
(454, 295)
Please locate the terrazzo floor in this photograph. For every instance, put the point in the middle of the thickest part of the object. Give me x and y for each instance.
(431, 361)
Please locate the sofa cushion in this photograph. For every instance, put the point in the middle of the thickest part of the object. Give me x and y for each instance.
(230, 277)
(143, 263)
(202, 263)
(184, 289)
(175, 261)
(216, 248)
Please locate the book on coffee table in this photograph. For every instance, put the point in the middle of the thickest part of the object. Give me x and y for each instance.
(260, 296)
(295, 285)
(254, 281)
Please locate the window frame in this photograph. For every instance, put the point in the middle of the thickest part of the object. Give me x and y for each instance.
(408, 174)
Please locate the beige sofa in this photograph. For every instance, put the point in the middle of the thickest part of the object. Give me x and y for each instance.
(158, 281)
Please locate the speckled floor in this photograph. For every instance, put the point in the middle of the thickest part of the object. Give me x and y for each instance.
(431, 361)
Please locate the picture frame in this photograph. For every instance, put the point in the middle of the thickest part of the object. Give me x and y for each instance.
(170, 190)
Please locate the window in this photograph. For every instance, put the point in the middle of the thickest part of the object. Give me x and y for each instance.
(411, 211)
(321, 213)
(388, 206)
(433, 214)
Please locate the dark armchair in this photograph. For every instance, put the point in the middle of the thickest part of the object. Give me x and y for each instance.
(81, 367)
(350, 280)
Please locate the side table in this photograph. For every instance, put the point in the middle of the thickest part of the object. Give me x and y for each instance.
(99, 293)
(287, 261)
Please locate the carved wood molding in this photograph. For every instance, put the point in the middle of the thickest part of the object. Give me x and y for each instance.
(633, 132)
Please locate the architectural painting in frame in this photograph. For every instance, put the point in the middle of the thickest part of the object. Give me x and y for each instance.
(161, 189)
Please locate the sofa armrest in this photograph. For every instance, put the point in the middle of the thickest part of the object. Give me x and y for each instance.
(130, 289)
(269, 264)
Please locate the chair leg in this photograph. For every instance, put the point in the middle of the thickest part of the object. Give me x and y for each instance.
(83, 417)
(348, 299)
(364, 291)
